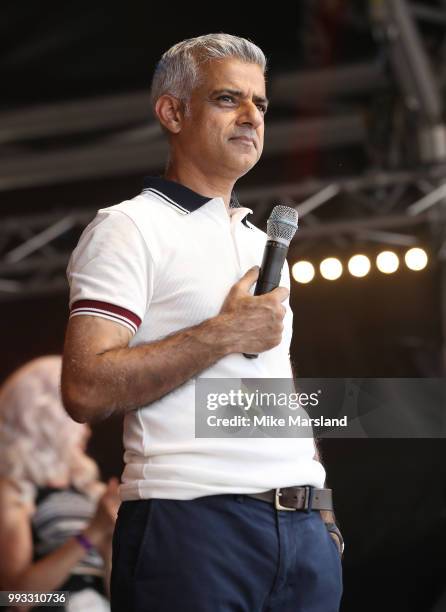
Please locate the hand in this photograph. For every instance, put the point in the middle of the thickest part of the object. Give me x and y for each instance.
(253, 324)
(337, 542)
(103, 522)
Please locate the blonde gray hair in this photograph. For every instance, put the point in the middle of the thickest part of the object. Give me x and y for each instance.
(178, 71)
(39, 442)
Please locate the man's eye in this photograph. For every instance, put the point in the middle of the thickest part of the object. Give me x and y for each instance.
(262, 108)
(226, 98)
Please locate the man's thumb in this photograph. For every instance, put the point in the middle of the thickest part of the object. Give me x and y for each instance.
(249, 278)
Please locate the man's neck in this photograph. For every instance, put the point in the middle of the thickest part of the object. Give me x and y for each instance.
(204, 185)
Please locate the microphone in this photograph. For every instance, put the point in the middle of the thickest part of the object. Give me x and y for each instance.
(281, 227)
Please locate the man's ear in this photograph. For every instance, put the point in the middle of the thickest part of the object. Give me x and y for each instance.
(170, 113)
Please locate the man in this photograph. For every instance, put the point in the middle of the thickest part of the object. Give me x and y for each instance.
(161, 294)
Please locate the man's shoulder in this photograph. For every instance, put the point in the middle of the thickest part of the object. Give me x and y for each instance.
(144, 204)
(145, 210)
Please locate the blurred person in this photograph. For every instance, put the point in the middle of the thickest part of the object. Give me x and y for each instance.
(56, 517)
(160, 295)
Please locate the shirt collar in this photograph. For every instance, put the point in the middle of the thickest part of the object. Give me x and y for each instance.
(181, 195)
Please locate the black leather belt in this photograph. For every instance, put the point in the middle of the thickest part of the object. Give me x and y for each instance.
(297, 498)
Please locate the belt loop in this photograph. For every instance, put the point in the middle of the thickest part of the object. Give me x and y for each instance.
(309, 502)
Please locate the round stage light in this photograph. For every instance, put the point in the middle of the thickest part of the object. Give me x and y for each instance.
(359, 265)
(387, 262)
(331, 268)
(303, 272)
(416, 259)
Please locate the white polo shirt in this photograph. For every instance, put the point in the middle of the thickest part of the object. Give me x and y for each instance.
(159, 263)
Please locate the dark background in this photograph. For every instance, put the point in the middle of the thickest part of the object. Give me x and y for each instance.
(390, 494)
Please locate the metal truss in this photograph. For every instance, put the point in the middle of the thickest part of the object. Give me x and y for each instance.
(34, 249)
(142, 148)
(402, 194)
(34, 252)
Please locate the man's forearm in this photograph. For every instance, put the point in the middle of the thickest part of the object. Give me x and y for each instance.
(101, 375)
(328, 516)
(121, 379)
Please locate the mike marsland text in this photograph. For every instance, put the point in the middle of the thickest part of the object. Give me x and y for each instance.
(272, 421)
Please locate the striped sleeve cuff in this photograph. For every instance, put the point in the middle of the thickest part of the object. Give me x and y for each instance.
(106, 311)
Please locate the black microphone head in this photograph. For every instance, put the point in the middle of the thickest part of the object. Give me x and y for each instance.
(282, 224)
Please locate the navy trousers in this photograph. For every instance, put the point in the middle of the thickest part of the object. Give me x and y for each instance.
(222, 553)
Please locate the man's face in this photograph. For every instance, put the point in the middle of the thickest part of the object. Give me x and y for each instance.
(223, 133)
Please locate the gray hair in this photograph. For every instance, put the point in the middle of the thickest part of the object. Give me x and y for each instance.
(178, 71)
(39, 442)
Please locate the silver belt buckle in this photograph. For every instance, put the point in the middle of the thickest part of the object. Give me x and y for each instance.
(278, 505)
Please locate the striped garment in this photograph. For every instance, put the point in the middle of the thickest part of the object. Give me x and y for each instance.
(60, 514)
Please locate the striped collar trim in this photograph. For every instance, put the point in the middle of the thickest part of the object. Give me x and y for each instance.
(179, 195)
(173, 193)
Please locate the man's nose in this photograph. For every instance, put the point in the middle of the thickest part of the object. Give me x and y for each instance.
(250, 114)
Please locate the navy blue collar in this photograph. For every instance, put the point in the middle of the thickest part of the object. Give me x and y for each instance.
(181, 195)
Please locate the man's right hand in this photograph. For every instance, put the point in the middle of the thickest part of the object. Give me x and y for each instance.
(103, 375)
(253, 324)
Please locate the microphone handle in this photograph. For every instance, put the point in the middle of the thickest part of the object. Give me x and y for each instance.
(270, 271)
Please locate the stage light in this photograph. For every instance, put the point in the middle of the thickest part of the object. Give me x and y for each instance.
(303, 271)
(331, 268)
(387, 262)
(416, 259)
(359, 265)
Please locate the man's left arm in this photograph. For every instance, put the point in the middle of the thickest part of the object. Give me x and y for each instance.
(328, 516)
